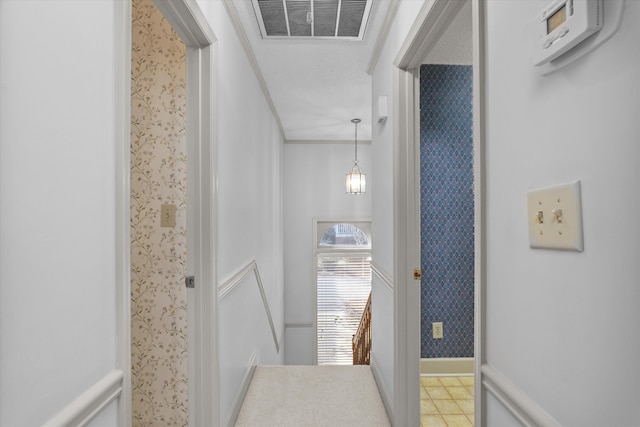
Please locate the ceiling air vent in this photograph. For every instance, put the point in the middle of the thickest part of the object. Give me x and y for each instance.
(329, 19)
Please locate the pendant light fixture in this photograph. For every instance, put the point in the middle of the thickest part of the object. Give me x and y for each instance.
(356, 180)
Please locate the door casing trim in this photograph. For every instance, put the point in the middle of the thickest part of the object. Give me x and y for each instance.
(191, 25)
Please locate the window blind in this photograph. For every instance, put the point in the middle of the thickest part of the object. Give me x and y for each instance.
(344, 284)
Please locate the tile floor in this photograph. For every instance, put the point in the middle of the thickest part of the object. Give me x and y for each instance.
(446, 402)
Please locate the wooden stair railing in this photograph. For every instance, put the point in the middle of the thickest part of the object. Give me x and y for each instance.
(361, 341)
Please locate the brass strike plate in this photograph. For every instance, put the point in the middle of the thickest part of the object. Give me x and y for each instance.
(417, 274)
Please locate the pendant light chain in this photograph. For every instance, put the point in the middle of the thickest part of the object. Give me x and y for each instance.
(356, 156)
(355, 122)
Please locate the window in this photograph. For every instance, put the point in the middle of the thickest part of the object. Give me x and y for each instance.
(344, 235)
(343, 277)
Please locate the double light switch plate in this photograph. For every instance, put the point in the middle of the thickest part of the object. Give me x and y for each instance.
(555, 217)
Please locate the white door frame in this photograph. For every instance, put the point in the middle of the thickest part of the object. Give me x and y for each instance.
(188, 21)
(432, 21)
(123, 206)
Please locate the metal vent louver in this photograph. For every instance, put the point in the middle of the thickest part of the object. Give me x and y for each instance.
(312, 18)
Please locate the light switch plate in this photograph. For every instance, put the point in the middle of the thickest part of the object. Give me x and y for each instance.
(555, 217)
(167, 215)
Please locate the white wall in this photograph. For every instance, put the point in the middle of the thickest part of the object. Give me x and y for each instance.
(382, 327)
(57, 217)
(455, 46)
(563, 326)
(314, 187)
(249, 170)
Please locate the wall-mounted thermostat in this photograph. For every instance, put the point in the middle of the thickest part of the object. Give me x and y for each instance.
(563, 25)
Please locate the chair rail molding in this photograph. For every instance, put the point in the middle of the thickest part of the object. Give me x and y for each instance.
(522, 406)
(384, 277)
(89, 404)
(235, 279)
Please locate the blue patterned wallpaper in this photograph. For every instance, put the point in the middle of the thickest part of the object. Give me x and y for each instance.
(446, 169)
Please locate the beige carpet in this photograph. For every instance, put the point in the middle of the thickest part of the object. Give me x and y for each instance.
(312, 396)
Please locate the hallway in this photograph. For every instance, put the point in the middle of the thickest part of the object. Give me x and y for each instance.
(337, 396)
(550, 323)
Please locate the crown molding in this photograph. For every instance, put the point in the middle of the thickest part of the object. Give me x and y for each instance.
(246, 45)
(392, 10)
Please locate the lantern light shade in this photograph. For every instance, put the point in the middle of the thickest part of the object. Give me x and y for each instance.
(356, 181)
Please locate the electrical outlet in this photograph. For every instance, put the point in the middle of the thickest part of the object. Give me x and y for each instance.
(437, 330)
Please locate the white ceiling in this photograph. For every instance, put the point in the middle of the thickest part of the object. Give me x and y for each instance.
(317, 86)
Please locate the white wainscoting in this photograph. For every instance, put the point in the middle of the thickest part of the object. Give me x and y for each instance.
(239, 299)
(382, 332)
(523, 407)
(89, 404)
(234, 280)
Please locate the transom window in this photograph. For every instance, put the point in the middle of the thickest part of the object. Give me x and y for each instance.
(341, 235)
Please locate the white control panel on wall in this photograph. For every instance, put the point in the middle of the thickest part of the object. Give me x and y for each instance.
(562, 25)
(555, 217)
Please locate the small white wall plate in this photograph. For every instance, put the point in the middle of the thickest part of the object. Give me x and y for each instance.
(555, 217)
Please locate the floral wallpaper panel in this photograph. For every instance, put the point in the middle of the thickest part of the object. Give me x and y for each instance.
(158, 254)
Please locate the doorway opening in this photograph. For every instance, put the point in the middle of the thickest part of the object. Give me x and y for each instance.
(447, 243)
(187, 68)
(159, 316)
(435, 24)
(343, 287)
(447, 222)
(447, 214)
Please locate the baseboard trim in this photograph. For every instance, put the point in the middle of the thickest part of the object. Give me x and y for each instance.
(238, 400)
(382, 388)
(447, 366)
